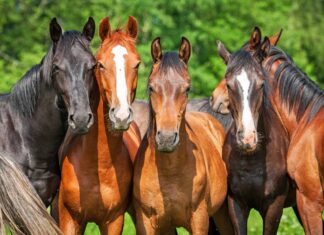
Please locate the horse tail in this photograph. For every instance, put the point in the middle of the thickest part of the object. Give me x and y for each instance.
(21, 209)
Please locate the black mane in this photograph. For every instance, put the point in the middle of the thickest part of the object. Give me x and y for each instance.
(241, 59)
(296, 89)
(25, 93)
(173, 61)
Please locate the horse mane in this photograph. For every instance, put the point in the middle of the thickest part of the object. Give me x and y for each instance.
(118, 36)
(296, 89)
(171, 60)
(25, 93)
(241, 59)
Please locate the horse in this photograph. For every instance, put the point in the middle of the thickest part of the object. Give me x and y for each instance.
(256, 146)
(216, 105)
(296, 110)
(179, 175)
(97, 166)
(51, 97)
(299, 104)
(21, 209)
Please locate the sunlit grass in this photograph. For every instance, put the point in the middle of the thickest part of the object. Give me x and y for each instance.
(288, 225)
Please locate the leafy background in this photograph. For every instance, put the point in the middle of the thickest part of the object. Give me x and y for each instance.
(24, 40)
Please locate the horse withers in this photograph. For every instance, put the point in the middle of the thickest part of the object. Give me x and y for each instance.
(179, 175)
(97, 167)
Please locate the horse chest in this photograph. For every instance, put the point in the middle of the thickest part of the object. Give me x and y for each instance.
(255, 174)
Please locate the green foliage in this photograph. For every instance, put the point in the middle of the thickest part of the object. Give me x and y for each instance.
(25, 38)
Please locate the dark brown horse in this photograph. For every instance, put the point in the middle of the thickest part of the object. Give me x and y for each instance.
(298, 104)
(179, 175)
(256, 146)
(97, 168)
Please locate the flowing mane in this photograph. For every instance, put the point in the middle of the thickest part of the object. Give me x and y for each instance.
(296, 89)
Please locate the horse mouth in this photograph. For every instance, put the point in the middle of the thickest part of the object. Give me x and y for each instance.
(119, 127)
(166, 148)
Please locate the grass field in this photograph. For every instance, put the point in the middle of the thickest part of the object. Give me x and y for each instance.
(289, 225)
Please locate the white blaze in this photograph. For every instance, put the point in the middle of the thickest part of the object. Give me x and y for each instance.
(247, 120)
(121, 85)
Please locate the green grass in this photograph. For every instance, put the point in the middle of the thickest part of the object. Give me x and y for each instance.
(289, 225)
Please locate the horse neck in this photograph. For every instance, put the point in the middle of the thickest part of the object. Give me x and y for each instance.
(287, 117)
(113, 139)
(168, 163)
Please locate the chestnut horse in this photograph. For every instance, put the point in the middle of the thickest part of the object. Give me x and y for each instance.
(179, 175)
(256, 146)
(97, 168)
(299, 104)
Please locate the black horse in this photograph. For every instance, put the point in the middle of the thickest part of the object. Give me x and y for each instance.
(51, 97)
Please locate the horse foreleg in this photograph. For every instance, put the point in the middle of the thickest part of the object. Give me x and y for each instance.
(303, 168)
(223, 221)
(271, 216)
(114, 227)
(54, 208)
(238, 214)
(144, 225)
(67, 223)
(200, 220)
(310, 211)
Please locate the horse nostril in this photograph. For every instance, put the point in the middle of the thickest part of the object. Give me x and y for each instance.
(175, 137)
(90, 117)
(113, 110)
(71, 118)
(159, 134)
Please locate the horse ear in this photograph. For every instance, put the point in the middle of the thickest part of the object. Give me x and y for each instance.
(265, 47)
(104, 29)
(55, 30)
(132, 27)
(156, 51)
(274, 39)
(184, 50)
(89, 29)
(223, 52)
(255, 38)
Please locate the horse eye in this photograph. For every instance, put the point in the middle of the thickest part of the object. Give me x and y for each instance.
(187, 90)
(228, 87)
(150, 88)
(100, 65)
(137, 65)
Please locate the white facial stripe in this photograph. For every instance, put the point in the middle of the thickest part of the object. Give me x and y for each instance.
(121, 85)
(247, 120)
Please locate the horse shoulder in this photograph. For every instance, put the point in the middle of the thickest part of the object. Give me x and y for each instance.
(209, 135)
(132, 140)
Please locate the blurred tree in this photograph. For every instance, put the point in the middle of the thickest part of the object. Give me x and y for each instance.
(24, 37)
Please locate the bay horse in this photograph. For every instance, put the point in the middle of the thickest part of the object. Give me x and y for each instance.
(216, 105)
(51, 97)
(179, 175)
(256, 146)
(299, 104)
(297, 110)
(97, 167)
